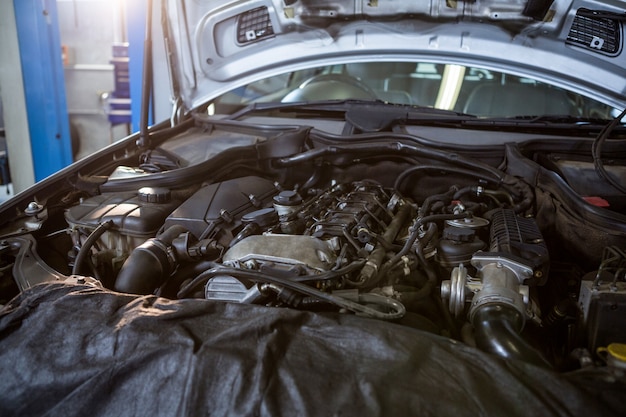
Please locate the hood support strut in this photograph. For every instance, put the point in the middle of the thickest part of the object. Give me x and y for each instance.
(146, 85)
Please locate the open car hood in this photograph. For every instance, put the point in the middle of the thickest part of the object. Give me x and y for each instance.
(215, 46)
(280, 250)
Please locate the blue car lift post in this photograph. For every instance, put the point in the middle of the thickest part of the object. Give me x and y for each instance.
(44, 87)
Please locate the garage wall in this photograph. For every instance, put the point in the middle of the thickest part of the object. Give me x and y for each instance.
(88, 29)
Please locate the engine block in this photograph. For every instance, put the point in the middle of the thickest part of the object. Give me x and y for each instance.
(341, 220)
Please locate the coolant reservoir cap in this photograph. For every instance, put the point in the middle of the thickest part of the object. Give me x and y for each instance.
(154, 195)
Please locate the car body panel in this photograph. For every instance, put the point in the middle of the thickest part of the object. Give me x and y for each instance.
(306, 239)
(209, 60)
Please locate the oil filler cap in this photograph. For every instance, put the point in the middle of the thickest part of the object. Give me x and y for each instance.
(155, 195)
(288, 198)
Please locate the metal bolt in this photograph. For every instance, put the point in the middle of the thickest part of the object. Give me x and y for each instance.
(226, 216)
(33, 208)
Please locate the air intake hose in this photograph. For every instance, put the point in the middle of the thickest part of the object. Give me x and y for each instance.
(149, 265)
(518, 256)
(496, 330)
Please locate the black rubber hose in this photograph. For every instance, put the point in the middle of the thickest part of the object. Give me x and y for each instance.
(472, 189)
(465, 190)
(149, 265)
(429, 201)
(446, 168)
(596, 152)
(393, 148)
(504, 194)
(431, 284)
(336, 273)
(83, 253)
(313, 179)
(374, 260)
(171, 233)
(399, 148)
(393, 262)
(330, 138)
(415, 232)
(496, 330)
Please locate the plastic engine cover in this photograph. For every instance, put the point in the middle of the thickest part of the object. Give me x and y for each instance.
(132, 216)
(215, 211)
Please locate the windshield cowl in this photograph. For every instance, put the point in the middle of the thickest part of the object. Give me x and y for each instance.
(372, 96)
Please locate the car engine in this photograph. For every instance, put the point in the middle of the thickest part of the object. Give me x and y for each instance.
(354, 246)
(454, 247)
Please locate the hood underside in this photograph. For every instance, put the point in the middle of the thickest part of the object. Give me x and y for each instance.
(215, 47)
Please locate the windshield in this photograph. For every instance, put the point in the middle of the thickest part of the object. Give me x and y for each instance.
(471, 90)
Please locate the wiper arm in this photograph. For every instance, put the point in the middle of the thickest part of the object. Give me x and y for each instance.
(319, 105)
(408, 110)
(561, 118)
(556, 121)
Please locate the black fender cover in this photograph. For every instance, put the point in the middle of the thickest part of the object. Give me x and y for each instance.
(76, 350)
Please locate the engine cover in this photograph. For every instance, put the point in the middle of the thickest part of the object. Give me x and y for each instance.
(215, 211)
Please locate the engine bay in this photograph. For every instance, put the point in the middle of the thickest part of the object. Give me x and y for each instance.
(438, 240)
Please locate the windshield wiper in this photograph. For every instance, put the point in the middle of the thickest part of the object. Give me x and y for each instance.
(377, 115)
(560, 123)
(321, 105)
(562, 118)
(343, 106)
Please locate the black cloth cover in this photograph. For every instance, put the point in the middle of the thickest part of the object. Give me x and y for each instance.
(73, 350)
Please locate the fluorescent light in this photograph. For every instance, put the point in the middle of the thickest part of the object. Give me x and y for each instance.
(450, 86)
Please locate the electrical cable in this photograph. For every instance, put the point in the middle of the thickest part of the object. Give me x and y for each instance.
(396, 308)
